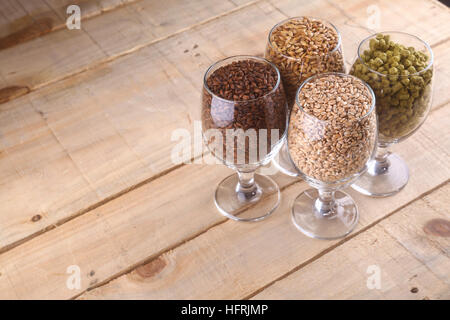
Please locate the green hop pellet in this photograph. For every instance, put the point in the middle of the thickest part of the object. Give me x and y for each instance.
(411, 69)
(403, 96)
(404, 53)
(393, 78)
(378, 62)
(393, 70)
(396, 87)
(394, 58)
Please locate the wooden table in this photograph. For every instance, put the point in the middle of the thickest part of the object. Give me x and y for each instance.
(87, 183)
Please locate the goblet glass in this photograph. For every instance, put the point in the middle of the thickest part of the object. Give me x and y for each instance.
(296, 68)
(330, 151)
(399, 68)
(244, 134)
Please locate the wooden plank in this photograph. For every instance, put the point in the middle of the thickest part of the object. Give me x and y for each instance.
(425, 236)
(122, 234)
(33, 64)
(152, 206)
(43, 60)
(98, 159)
(54, 107)
(110, 128)
(88, 8)
(148, 21)
(442, 74)
(426, 19)
(139, 24)
(410, 249)
(25, 20)
(17, 16)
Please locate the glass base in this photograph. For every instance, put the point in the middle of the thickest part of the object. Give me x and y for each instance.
(383, 181)
(283, 162)
(340, 222)
(250, 206)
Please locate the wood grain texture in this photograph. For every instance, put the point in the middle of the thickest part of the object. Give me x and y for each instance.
(100, 127)
(19, 20)
(233, 260)
(427, 19)
(70, 147)
(130, 27)
(25, 20)
(413, 261)
(136, 227)
(64, 53)
(111, 127)
(116, 236)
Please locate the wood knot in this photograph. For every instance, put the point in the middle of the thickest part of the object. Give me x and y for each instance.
(438, 227)
(12, 92)
(150, 269)
(414, 290)
(32, 31)
(36, 218)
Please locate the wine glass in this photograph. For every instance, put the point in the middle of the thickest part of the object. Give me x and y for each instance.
(330, 152)
(295, 70)
(244, 133)
(399, 68)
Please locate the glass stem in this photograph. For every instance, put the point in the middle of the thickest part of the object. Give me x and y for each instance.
(324, 204)
(246, 187)
(381, 163)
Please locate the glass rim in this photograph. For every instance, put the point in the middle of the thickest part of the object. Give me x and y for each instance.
(430, 51)
(298, 18)
(340, 74)
(241, 58)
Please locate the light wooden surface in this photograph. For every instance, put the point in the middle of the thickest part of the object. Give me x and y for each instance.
(86, 177)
